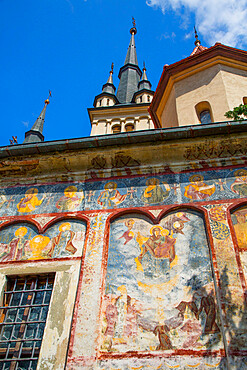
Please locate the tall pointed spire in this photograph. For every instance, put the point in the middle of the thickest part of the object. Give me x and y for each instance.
(130, 73)
(109, 87)
(35, 134)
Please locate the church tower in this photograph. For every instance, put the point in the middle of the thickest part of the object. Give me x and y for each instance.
(127, 110)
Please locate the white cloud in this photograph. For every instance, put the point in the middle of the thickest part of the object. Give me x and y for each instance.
(168, 36)
(25, 123)
(216, 20)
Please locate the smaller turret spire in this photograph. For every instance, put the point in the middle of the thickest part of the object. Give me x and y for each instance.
(109, 86)
(197, 42)
(35, 134)
(198, 47)
(144, 83)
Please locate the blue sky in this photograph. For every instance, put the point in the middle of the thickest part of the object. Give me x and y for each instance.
(68, 46)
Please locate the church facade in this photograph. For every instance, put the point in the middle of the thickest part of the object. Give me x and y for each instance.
(128, 249)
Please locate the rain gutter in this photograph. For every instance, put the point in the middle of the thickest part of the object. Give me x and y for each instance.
(137, 137)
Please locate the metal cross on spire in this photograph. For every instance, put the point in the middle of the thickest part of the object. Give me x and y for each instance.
(133, 30)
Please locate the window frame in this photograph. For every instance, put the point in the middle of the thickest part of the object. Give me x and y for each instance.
(58, 323)
(21, 296)
(201, 107)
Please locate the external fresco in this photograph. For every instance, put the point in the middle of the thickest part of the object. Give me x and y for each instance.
(124, 193)
(159, 288)
(239, 218)
(162, 259)
(22, 242)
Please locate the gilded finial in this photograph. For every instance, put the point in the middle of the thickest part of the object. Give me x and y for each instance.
(197, 42)
(47, 101)
(133, 30)
(112, 66)
(144, 66)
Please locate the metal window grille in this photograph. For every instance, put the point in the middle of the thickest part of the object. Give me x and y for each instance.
(22, 320)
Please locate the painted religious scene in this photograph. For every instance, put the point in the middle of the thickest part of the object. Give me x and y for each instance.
(239, 218)
(22, 242)
(149, 190)
(159, 288)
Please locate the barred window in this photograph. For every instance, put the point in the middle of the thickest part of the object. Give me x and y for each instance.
(22, 320)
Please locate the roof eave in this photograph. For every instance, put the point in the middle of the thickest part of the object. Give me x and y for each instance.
(136, 137)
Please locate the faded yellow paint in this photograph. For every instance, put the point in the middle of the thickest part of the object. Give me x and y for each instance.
(220, 82)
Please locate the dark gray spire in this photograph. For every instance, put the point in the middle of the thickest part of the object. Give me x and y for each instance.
(144, 83)
(130, 73)
(109, 87)
(35, 134)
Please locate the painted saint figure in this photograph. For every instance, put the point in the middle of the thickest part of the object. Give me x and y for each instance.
(158, 252)
(209, 307)
(62, 244)
(17, 249)
(240, 226)
(70, 200)
(3, 199)
(154, 192)
(38, 245)
(30, 201)
(239, 186)
(198, 189)
(110, 197)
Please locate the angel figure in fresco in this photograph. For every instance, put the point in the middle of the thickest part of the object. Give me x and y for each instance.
(158, 252)
(30, 201)
(154, 192)
(17, 249)
(128, 234)
(198, 189)
(62, 244)
(239, 186)
(110, 197)
(70, 200)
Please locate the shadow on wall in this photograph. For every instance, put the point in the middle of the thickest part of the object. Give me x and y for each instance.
(235, 318)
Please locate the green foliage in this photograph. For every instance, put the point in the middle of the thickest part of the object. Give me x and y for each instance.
(238, 113)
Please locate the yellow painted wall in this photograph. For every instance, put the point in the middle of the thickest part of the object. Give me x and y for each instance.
(220, 85)
(169, 116)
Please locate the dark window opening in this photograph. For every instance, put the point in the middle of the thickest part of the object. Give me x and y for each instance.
(116, 129)
(22, 317)
(205, 117)
(129, 127)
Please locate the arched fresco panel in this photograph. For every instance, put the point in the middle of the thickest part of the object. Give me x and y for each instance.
(239, 218)
(159, 288)
(21, 241)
